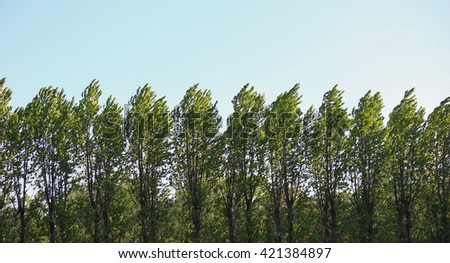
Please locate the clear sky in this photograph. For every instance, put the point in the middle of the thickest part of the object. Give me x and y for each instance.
(386, 46)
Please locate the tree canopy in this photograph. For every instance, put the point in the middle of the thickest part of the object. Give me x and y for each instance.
(80, 171)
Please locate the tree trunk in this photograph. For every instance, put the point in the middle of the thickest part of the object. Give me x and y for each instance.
(408, 227)
(230, 220)
(249, 220)
(290, 219)
(145, 238)
(51, 223)
(97, 227)
(400, 224)
(325, 221)
(371, 213)
(277, 218)
(153, 222)
(196, 220)
(106, 226)
(333, 221)
(22, 224)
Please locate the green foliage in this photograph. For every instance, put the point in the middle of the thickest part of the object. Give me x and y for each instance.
(330, 138)
(243, 172)
(196, 123)
(437, 194)
(5, 97)
(406, 161)
(51, 130)
(366, 162)
(148, 125)
(87, 172)
(286, 158)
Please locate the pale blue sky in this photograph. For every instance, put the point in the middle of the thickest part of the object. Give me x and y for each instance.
(386, 46)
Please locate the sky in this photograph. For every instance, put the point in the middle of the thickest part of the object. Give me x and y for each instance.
(385, 46)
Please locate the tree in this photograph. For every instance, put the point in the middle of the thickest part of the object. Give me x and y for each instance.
(286, 158)
(196, 122)
(406, 160)
(51, 129)
(87, 112)
(306, 211)
(366, 161)
(84, 172)
(5, 109)
(102, 147)
(19, 170)
(148, 126)
(244, 158)
(108, 164)
(329, 160)
(437, 138)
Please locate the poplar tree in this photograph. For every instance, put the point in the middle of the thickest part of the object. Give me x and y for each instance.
(87, 113)
(244, 159)
(366, 161)
(329, 160)
(406, 161)
(108, 173)
(285, 158)
(438, 166)
(52, 153)
(19, 171)
(5, 109)
(196, 123)
(102, 147)
(148, 125)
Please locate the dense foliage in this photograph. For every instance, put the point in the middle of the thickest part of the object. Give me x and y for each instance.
(85, 172)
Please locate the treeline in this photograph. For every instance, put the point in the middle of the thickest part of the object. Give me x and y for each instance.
(84, 172)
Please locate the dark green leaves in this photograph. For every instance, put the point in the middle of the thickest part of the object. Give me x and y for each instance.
(91, 172)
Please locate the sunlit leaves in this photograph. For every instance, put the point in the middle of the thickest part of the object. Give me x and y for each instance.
(406, 160)
(366, 161)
